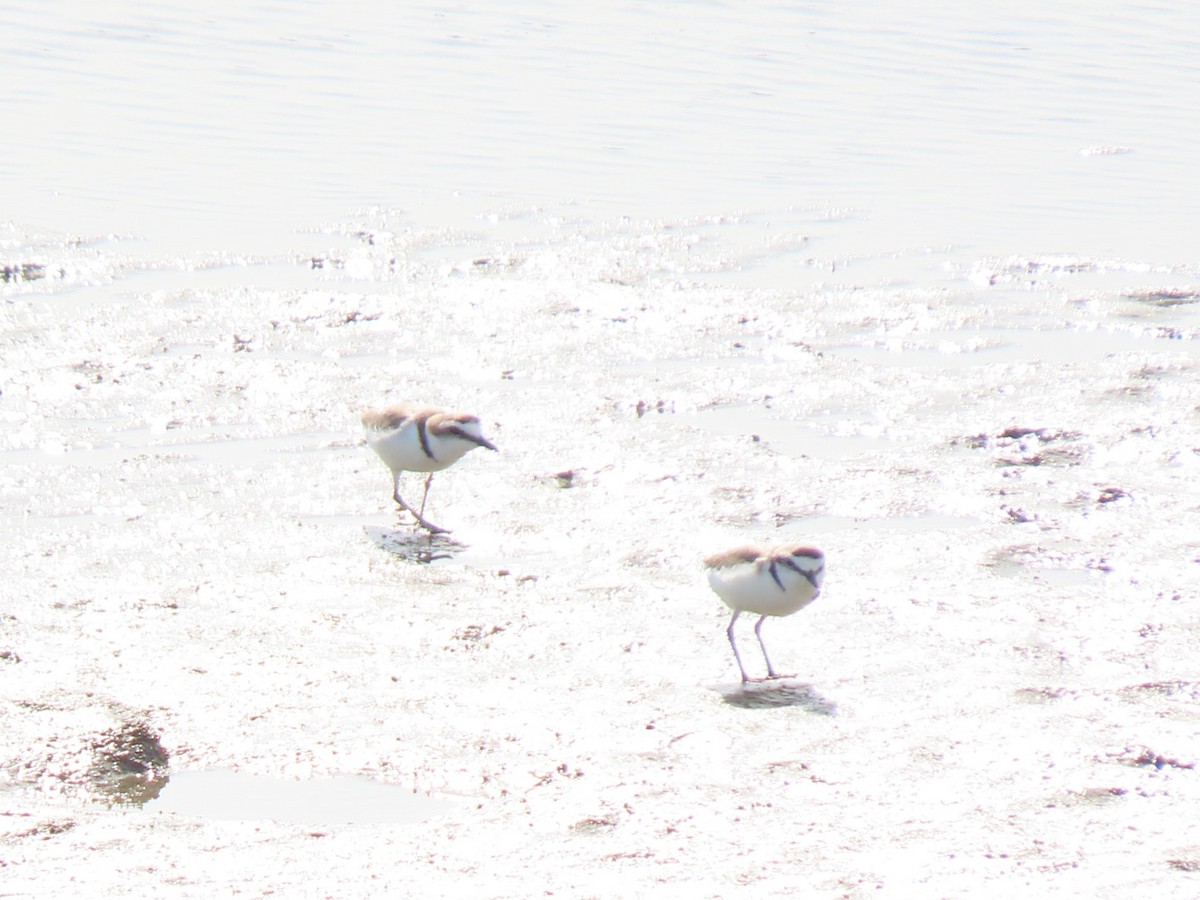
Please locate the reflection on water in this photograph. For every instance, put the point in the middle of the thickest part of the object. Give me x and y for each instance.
(779, 692)
(414, 544)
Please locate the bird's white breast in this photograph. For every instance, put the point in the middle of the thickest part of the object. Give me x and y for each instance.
(751, 587)
(400, 449)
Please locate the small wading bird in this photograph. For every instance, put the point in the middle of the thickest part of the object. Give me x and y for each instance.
(775, 582)
(421, 439)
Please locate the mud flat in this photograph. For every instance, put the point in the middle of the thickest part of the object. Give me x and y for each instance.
(208, 589)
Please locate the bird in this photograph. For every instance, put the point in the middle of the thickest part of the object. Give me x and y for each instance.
(411, 438)
(770, 582)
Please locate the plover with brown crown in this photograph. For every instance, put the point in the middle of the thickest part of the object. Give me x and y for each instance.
(775, 582)
(421, 439)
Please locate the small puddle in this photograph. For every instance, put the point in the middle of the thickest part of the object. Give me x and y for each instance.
(345, 799)
(787, 437)
(1048, 575)
(1064, 578)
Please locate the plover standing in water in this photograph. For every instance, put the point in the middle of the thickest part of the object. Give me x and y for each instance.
(421, 439)
(775, 582)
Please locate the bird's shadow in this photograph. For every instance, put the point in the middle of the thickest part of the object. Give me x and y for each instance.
(776, 693)
(414, 546)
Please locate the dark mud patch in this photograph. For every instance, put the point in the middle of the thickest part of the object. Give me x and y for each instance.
(1145, 757)
(1038, 447)
(413, 546)
(779, 693)
(1019, 445)
(474, 637)
(88, 750)
(574, 477)
(130, 764)
(1091, 796)
(24, 825)
(595, 824)
(11, 272)
(1165, 297)
(1101, 496)
(1043, 694)
(1189, 690)
(565, 479)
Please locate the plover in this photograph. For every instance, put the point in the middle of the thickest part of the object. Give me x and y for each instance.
(775, 582)
(421, 439)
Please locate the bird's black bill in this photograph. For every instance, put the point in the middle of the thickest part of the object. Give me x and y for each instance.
(473, 438)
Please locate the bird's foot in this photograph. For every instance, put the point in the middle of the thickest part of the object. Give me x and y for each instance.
(429, 526)
(772, 676)
(421, 520)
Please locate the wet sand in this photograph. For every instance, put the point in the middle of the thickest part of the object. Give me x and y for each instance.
(996, 690)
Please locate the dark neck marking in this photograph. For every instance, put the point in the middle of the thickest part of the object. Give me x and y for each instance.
(774, 570)
(423, 436)
(799, 570)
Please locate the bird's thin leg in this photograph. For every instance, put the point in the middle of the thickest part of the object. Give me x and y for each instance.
(395, 493)
(733, 644)
(758, 633)
(425, 495)
(425, 523)
(421, 520)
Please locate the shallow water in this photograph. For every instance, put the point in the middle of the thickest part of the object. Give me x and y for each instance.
(1027, 129)
(332, 801)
